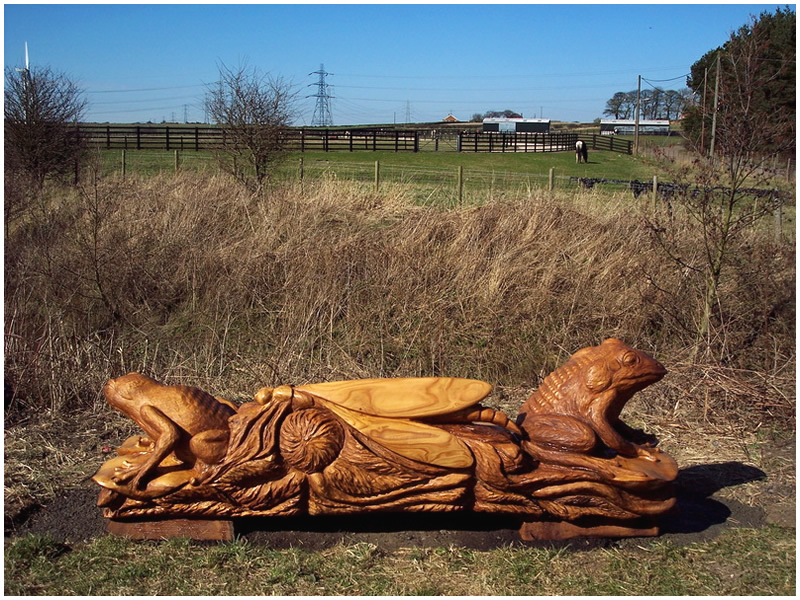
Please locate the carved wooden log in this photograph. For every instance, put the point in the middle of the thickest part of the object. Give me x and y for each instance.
(569, 467)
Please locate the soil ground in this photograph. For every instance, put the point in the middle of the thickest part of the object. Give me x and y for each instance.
(702, 512)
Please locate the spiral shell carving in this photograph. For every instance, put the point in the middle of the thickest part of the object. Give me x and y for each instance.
(310, 439)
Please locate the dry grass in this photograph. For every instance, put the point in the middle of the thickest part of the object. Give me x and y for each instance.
(190, 279)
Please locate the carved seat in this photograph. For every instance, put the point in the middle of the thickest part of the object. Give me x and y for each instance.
(568, 467)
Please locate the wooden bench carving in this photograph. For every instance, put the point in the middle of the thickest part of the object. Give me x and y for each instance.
(568, 467)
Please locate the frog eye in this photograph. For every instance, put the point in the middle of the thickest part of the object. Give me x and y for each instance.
(629, 359)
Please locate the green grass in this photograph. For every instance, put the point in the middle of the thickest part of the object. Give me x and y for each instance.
(738, 562)
(609, 165)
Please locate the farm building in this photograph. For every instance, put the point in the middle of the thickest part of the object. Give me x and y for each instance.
(450, 119)
(517, 125)
(628, 126)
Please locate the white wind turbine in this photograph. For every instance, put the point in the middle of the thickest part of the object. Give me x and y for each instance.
(27, 69)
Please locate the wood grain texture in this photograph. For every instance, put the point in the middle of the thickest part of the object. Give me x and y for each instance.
(402, 397)
(564, 530)
(195, 529)
(413, 444)
(411, 439)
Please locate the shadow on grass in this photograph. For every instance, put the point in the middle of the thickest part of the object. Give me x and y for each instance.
(696, 511)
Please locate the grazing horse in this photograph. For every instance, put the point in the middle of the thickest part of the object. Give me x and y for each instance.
(581, 152)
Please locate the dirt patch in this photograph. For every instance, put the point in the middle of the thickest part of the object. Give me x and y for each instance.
(701, 514)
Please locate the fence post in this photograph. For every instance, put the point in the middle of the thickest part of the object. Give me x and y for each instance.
(377, 175)
(300, 170)
(177, 161)
(778, 212)
(123, 163)
(550, 180)
(460, 184)
(655, 192)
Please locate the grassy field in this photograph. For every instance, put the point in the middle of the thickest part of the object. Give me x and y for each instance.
(536, 165)
(740, 562)
(193, 279)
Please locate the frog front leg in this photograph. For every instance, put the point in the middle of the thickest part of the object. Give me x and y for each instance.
(166, 435)
(616, 442)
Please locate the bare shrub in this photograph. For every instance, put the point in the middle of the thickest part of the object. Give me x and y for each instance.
(255, 110)
(41, 108)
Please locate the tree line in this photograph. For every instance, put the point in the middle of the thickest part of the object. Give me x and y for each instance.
(495, 114)
(754, 74)
(655, 103)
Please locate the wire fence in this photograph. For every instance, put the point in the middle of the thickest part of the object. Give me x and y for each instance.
(448, 183)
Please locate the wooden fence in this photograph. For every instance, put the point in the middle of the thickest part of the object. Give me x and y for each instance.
(492, 141)
(177, 137)
(189, 137)
(611, 143)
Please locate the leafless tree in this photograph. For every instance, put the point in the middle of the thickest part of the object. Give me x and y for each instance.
(723, 199)
(41, 110)
(255, 111)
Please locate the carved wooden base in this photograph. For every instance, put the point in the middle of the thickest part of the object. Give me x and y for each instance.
(563, 530)
(162, 529)
(569, 468)
(223, 531)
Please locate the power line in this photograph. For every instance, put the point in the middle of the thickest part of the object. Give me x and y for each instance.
(665, 80)
(158, 89)
(495, 76)
(140, 100)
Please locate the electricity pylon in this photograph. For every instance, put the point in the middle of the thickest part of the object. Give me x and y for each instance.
(322, 111)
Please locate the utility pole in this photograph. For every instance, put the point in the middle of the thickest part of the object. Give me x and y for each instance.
(636, 126)
(703, 122)
(714, 116)
(322, 111)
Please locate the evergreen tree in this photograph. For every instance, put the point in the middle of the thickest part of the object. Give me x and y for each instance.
(757, 74)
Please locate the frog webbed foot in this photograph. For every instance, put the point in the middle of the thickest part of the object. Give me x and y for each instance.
(128, 474)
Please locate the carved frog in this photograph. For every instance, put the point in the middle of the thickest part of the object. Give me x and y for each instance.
(580, 403)
(182, 420)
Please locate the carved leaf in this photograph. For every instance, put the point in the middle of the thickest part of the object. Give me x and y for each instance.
(268, 496)
(253, 432)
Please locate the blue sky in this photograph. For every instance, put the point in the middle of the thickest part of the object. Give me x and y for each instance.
(388, 63)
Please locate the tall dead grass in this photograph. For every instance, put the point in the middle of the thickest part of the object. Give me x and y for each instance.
(191, 279)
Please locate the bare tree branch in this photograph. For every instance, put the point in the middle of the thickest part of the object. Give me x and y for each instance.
(41, 110)
(255, 111)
